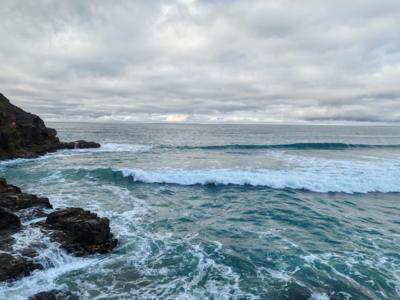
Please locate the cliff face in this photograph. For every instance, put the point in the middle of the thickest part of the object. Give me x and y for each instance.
(24, 135)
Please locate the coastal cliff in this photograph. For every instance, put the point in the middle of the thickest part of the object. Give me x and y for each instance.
(80, 232)
(25, 135)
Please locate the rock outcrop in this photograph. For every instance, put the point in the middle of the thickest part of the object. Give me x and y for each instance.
(54, 295)
(14, 199)
(80, 231)
(24, 135)
(8, 220)
(13, 266)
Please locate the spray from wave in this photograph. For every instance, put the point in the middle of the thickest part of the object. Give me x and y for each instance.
(351, 178)
(317, 175)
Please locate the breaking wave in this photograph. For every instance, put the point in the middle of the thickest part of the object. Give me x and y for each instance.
(317, 175)
(349, 179)
(111, 147)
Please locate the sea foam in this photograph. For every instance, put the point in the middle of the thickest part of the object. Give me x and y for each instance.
(112, 147)
(317, 175)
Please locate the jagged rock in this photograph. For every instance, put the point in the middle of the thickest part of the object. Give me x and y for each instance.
(13, 199)
(85, 145)
(8, 220)
(13, 267)
(25, 135)
(80, 145)
(80, 231)
(29, 252)
(54, 295)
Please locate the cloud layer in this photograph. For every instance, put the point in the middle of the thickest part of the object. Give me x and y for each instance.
(204, 60)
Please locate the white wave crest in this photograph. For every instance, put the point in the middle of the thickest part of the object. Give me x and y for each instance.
(319, 176)
(111, 147)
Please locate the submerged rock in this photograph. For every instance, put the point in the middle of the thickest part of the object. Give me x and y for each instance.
(54, 295)
(81, 232)
(13, 267)
(25, 135)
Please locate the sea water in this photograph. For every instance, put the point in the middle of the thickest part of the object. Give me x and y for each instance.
(223, 212)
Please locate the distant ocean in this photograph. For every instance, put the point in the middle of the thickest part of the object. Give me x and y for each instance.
(224, 211)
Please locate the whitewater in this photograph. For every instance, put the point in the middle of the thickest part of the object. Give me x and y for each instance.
(223, 211)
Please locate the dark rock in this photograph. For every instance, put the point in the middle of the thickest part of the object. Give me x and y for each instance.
(8, 220)
(6, 240)
(29, 252)
(84, 145)
(54, 295)
(13, 199)
(80, 231)
(80, 145)
(24, 135)
(13, 267)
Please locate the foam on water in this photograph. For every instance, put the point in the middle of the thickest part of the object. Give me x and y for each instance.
(141, 252)
(54, 259)
(289, 241)
(112, 147)
(319, 296)
(109, 147)
(318, 175)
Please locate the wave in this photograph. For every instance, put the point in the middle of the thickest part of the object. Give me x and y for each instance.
(294, 146)
(351, 179)
(316, 175)
(67, 152)
(112, 147)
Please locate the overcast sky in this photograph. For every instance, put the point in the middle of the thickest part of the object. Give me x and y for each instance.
(204, 60)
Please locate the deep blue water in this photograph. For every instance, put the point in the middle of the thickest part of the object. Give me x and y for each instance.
(224, 211)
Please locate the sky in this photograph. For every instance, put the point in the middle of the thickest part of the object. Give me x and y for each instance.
(205, 61)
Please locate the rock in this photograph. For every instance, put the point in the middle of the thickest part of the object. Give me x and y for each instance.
(84, 145)
(6, 240)
(80, 231)
(79, 145)
(8, 220)
(12, 267)
(13, 199)
(29, 252)
(54, 295)
(25, 135)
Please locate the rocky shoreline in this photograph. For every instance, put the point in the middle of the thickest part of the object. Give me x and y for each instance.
(79, 232)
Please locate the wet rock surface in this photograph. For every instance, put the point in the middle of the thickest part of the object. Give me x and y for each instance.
(13, 266)
(81, 232)
(54, 295)
(24, 135)
(80, 145)
(9, 220)
(14, 199)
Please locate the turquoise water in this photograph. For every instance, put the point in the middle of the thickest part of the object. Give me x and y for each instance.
(224, 211)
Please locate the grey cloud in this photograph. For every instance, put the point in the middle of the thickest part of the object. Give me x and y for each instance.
(203, 61)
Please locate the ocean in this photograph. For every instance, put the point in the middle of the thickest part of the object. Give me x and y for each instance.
(223, 211)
